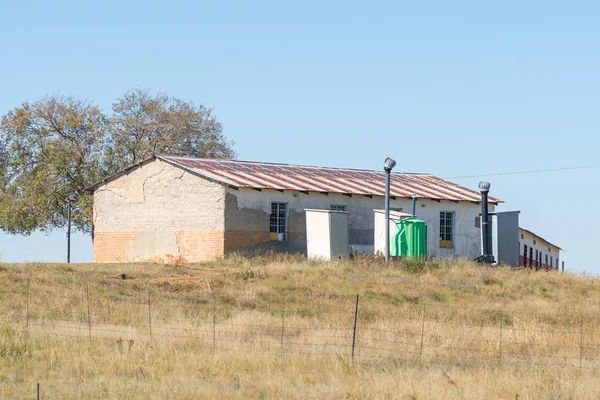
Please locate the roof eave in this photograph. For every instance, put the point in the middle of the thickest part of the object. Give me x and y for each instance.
(92, 188)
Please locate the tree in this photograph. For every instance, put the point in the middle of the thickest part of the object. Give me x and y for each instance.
(50, 150)
(143, 125)
(54, 148)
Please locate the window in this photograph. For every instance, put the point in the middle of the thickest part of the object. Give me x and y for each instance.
(531, 256)
(525, 255)
(546, 259)
(446, 229)
(338, 207)
(278, 225)
(537, 255)
(551, 261)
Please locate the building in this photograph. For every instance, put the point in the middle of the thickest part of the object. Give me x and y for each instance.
(197, 209)
(537, 252)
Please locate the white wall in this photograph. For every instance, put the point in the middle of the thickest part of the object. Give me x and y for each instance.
(526, 238)
(361, 220)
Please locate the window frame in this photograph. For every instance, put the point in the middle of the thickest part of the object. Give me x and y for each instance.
(447, 241)
(531, 256)
(276, 215)
(338, 207)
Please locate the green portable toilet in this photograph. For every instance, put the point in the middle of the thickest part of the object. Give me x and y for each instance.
(410, 239)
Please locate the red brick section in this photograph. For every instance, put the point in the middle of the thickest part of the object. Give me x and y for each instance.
(193, 245)
(112, 246)
(248, 239)
(197, 246)
(244, 239)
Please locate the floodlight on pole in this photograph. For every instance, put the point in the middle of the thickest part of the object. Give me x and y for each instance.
(388, 165)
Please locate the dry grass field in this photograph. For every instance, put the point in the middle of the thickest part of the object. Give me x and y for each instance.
(282, 327)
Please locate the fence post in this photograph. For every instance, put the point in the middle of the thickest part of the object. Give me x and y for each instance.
(149, 314)
(87, 299)
(422, 333)
(580, 341)
(354, 329)
(282, 321)
(214, 323)
(27, 306)
(37, 389)
(500, 352)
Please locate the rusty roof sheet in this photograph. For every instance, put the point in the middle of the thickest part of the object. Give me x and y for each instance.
(257, 175)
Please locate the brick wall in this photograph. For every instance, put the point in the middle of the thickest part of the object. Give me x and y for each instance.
(158, 210)
(193, 246)
(247, 226)
(245, 239)
(112, 246)
(197, 246)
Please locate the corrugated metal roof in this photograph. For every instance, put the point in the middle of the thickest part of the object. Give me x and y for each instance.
(257, 175)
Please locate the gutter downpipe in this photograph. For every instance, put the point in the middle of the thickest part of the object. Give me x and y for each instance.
(414, 212)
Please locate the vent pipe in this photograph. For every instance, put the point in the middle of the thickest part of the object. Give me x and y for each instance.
(487, 256)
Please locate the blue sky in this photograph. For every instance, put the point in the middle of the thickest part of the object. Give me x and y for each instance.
(450, 88)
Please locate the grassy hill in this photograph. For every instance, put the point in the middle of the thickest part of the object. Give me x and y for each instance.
(283, 327)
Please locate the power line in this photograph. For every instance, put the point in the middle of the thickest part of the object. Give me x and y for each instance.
(535, 171)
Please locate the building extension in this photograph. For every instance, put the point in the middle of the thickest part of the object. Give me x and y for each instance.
(537, 252)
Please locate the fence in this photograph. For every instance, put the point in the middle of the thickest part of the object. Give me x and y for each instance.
(343, 326)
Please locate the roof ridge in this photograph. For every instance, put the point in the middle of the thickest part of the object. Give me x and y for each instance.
(291, 165)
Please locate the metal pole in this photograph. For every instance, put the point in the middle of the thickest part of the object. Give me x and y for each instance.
(282, 321)
(484, 221)
(387, 216)
(149, 314)
(87, 297)
(214, 323)
(414, 210)
(27, 306)
(69, 231)
(422, 333)
(354, 330)
(580, 341)
(563, 266)
(38, 391)
(388, 165)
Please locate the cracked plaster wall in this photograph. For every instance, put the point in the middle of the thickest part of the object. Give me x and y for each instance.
(158, 204)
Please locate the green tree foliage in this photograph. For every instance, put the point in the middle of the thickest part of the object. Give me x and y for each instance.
(51, 149)
(143, 125)
(54, 148)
